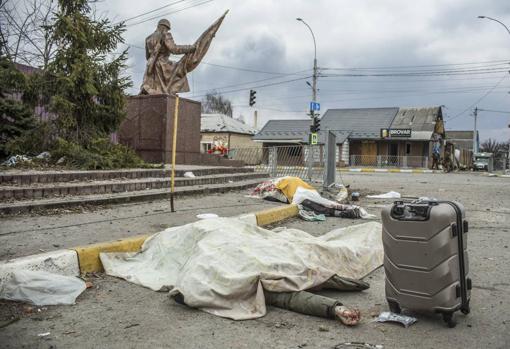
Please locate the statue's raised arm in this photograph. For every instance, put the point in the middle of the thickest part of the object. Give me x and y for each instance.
(161, 74)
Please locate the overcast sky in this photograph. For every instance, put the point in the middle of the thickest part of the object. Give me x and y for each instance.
(421, 49)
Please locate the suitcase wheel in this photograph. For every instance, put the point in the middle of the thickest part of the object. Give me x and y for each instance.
(465, 309)
(448, 318)
(394, 307)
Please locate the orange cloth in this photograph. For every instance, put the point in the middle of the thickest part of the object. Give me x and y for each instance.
(289, 185)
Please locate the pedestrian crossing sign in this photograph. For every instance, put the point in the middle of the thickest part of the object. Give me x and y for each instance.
(314, 138)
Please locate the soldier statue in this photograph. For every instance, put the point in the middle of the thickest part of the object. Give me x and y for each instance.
(163, 76)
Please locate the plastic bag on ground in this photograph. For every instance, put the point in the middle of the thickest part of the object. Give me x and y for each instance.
(392, 317)
(42, 288)
(388, 195)
(207, 215)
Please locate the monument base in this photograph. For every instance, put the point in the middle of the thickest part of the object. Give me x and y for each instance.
(148, 129)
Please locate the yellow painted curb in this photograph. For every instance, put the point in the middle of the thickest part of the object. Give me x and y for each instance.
(276, 214)
(367, 170)
(88, 256)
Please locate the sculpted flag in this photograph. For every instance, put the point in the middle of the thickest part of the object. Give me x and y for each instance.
(179, 82)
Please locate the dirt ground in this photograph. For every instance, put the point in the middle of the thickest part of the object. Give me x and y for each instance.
(117, 314)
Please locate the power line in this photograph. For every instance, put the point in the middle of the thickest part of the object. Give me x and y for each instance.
(423, 73)
(149, 12)
(494, 111)
(196, 4)
(244, 83)
(252, 70)
(478, 100)
(419, 66)
(259, 86)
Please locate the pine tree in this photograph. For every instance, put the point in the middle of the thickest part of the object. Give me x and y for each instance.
(15, 116)
(84, 82)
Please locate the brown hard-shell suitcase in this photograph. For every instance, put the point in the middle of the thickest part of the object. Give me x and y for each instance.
(425, 257)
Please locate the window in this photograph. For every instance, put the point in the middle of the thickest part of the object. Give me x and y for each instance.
(206, 147)
(408, 148)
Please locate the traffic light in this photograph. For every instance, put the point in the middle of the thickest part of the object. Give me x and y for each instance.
(252, 97)
(316, 126)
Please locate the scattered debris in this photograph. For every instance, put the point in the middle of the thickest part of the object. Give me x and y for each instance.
(16, 159)
(392, 317)
(355, 196)
(45, 334)
(388, 195)
(131, 325)
(42, 288)
(311, 216)
(44, 155)
(189, 174)
(207, 215)
(323, 328)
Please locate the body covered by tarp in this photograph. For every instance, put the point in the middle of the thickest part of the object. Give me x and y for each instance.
(223, 265)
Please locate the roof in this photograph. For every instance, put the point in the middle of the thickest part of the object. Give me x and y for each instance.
(223, 123)
(290, 130)
(360, 123)
(27, 69)
(459, 135)
(417, 119)
(462, 139)
(364, 123)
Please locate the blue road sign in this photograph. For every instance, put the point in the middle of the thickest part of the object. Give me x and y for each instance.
(315, 106)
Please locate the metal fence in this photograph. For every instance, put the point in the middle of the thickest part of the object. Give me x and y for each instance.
(388, 161)
(292, 160)
(280, 161)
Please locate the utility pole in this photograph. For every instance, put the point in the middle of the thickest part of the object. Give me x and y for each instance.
(475, 138)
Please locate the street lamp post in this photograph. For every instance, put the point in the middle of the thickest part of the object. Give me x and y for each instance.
(508, 30)
(314, 97)
(495, 20)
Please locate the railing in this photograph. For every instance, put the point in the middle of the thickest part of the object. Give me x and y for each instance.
(388, 161)
(292, 160)
(280, 161)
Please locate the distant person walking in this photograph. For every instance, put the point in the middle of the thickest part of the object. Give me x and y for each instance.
(436, 155)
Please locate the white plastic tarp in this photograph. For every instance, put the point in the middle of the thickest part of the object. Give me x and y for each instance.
(42, 288)
(388, 195)
(222, 265)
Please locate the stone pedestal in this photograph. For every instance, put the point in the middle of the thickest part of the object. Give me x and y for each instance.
(148, 129)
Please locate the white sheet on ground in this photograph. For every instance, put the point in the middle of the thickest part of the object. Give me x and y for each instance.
(388, 195)
(222, 265)
(42, 288)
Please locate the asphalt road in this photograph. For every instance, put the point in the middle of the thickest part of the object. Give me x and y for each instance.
(117, 314)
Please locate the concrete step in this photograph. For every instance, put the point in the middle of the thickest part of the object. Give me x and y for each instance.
(50, 190)
(117, 198)
(30, 177)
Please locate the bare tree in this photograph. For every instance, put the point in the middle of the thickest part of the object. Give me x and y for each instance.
(493, 146)
(26, 31)
(216, 103)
